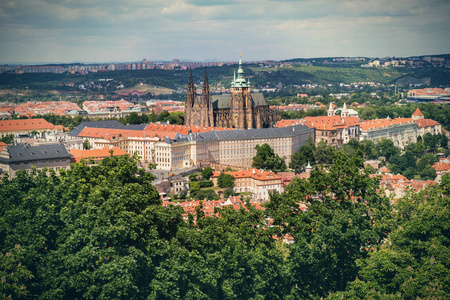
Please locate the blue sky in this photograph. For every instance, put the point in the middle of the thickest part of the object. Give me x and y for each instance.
(48, 31)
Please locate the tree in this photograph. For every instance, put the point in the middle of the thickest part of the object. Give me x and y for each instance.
(323, 153)
(86, 144)
(413, 263)
(387, 149)
(266, 159)
(225, 180)
(207, 173)
(345, 217)
(304, 156)
(7, 139)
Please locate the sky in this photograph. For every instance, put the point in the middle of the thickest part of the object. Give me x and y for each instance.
(66, 31)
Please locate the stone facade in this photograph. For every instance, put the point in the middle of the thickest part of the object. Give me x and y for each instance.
(241, 110)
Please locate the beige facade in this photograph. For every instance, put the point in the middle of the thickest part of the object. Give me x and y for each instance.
(258, 182)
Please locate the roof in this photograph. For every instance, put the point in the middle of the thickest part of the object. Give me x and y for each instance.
(382, 123)
(25, 152)
(426, 123)
(322, 122)
(96, 153)
(251, 134)
(25, 124)
(251, 173)
(417, 112)
(224, 101)
(105, 124)
(1, 145)
(181, 129)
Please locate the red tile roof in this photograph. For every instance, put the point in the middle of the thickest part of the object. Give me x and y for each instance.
(322, 122)
(417, 112)
(96, 154)
(426, 123)
(26, 124)
(382, 123)
(182, 129)
(251, 173)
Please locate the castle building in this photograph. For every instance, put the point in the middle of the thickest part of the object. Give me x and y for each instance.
(241, 110)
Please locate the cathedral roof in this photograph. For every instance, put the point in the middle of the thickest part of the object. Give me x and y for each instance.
(224, 101)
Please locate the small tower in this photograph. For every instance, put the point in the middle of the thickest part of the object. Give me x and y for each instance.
(417, 115)
(344, 112)
(330, 110)
(308, 168)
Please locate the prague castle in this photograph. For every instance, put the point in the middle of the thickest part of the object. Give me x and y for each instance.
(241, 110)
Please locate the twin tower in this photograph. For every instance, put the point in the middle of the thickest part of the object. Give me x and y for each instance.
(241, 109)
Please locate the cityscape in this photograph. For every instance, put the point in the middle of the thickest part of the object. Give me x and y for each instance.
(313, 167)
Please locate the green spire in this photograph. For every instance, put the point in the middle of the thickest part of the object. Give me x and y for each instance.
(240, 80)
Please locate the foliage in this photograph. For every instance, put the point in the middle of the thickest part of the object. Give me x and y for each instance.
(86, 145)
(304, 156)
(228, 192)
(7, 139)
(413, 264)
(207, 173)
(206, 183)
(267, 159)
(344, 218)
(204, 194)
(14, 275)
(225, 180)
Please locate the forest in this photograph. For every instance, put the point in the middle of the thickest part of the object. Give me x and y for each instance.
(100, 232)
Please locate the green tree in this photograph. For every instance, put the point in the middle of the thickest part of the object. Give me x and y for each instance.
(267, 159)
(86, 144)
(7, 139)
(207, 173)
(323, 153)
(386, 148)
(225, 180)
(413, 262)
(303, 156)
(345, 217)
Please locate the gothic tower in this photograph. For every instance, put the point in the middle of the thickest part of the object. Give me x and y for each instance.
(191, 97)
(206, 117)
(241, 102)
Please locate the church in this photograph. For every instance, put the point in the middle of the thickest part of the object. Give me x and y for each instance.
(241, 110)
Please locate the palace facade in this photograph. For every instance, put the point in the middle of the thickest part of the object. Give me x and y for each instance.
(240, 110)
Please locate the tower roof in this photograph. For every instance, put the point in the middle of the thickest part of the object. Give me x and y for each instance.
(240, 80)
(417, 112)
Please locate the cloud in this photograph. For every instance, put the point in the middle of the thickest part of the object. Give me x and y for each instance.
(119, 30)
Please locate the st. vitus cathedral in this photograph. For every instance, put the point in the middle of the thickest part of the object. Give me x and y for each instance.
(241, 109)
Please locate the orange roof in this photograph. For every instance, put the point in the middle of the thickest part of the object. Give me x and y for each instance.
(417, 112)
(96, 154)
(426, 123)
(2, 145)
(441, 166)
(382, 123)
(251, 173)
(182, 129)
(322, 122)
(25, 124)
